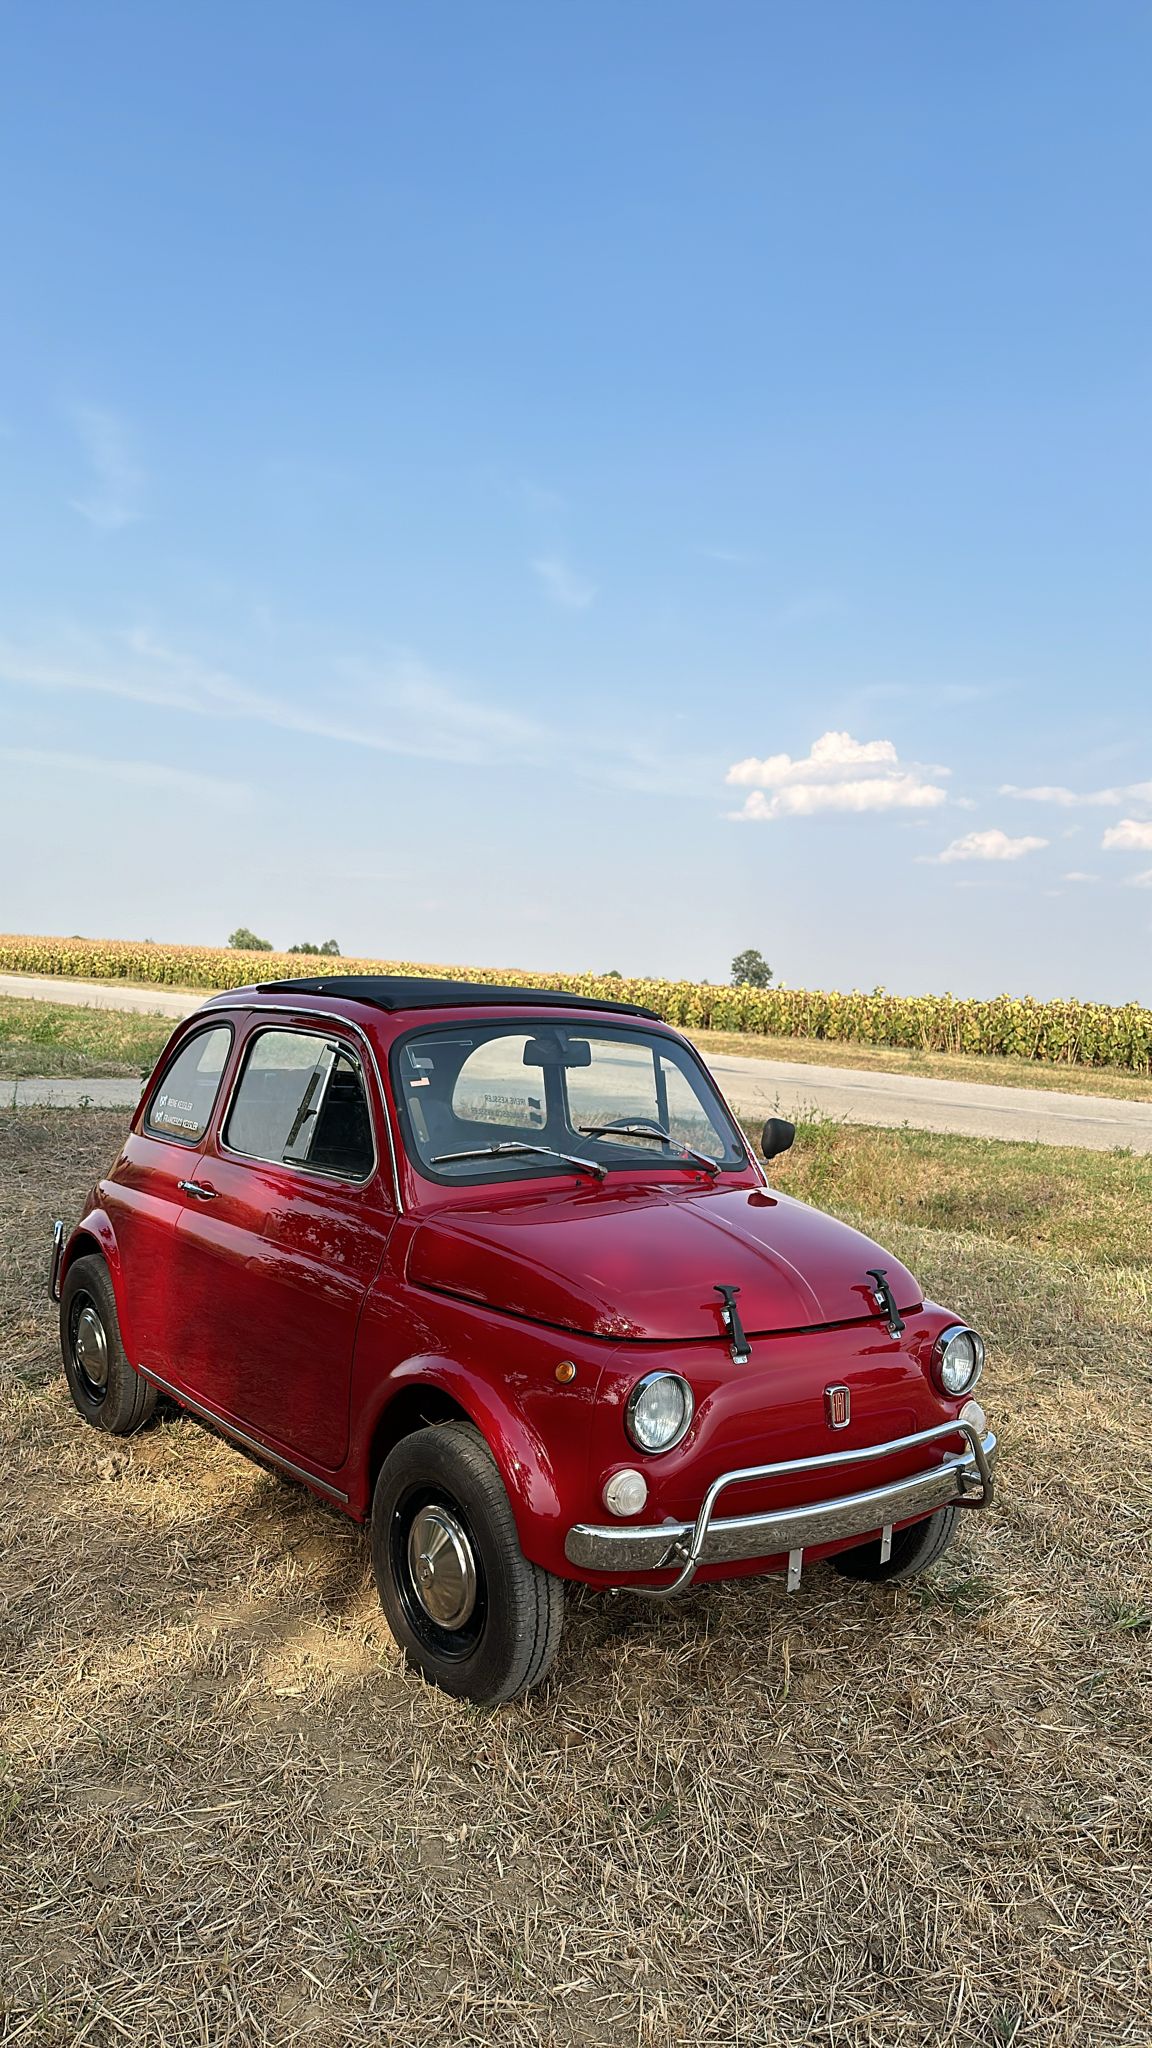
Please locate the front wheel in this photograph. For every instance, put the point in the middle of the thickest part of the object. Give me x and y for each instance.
(462, 1600)
(913, 1550)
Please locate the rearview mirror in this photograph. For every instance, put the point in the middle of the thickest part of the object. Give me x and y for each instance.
(776, 1136)
(543, 1052)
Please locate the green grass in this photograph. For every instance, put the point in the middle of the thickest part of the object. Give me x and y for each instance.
(1093, 1209)
(57, 1040)
(940, 1066)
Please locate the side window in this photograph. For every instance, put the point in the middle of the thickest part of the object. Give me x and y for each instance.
(301, 1102)
(182, 1105)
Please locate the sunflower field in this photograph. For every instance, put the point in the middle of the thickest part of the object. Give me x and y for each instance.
(1062, 1031)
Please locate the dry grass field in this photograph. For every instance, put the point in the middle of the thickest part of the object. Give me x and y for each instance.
(859, 1819)
(59, 1039)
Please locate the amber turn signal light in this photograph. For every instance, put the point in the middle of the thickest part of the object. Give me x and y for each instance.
(565, 1371)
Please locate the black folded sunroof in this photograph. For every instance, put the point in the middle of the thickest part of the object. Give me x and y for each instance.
(417, 992)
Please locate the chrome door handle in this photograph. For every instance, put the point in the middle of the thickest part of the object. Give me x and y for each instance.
(197, 1187)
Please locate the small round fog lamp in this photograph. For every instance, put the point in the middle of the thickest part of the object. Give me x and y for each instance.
(625, 1493)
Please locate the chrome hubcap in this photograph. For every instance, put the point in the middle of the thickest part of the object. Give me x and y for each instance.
(442, 1566)
(90, 1345)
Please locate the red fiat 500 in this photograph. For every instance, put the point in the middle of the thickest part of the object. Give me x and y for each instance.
(495, 1271)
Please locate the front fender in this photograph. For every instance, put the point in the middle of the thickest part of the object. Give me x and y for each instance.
(523, 1459)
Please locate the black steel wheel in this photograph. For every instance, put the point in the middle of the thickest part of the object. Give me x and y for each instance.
(462, 1600)
(913, 1550)
(101, 1380)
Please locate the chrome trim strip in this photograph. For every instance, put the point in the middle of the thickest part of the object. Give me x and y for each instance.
(348, 1024)
(687, 1545)
(58, 1237)
(240, 1436)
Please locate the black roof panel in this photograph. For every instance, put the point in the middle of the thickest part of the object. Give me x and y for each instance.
(420, 992)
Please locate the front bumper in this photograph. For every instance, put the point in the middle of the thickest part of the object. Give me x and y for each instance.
(965, 1477)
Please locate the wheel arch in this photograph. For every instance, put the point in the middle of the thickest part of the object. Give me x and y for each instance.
(95, 1237)
(428, 1391)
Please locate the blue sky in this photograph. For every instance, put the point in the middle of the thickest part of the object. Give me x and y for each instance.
(583, 485)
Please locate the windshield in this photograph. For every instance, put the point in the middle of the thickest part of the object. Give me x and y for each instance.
(487, 1102)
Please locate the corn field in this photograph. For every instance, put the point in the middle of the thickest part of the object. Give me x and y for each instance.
(1062, 1032)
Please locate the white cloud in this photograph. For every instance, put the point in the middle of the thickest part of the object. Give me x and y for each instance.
(990, 845)
(97, 770)
(839, 774)
(566, 586)
(393, 706)
(1076, 875)
(1141, 881)
(118, 496)
(1055, 793)
(1129, 836)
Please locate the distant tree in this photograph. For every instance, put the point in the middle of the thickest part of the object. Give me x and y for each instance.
(329, 948)
(612, 974)
(750, 969)
(247, 942)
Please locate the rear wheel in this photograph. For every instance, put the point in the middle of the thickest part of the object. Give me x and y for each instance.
(462, 1600)
(101, 1381)
(913, 1550)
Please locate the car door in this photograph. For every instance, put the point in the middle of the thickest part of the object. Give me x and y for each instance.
(277, 1250)
(142, 1194)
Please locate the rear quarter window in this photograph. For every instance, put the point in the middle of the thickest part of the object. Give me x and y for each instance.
(182, 1104)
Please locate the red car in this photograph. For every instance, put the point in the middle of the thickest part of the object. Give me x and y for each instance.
(494, 1270)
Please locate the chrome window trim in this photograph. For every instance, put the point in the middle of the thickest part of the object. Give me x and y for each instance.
(294, 1165)
(346, 1024)
(171, 1137)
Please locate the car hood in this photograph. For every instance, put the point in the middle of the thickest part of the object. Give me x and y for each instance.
(645, 1262)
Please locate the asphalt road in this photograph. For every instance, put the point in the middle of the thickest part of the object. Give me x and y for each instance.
(755, 1087)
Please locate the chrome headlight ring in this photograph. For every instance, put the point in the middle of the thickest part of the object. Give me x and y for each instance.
(957, 1360)
(642, 1416)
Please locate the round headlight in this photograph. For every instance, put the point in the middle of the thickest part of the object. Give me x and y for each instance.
(958, 1360)
(659, 1412)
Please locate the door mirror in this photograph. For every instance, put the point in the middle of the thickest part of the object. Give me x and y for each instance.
(777, 1136)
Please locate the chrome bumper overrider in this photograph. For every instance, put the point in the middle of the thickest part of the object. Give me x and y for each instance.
(964, 1477)
(58, 1236)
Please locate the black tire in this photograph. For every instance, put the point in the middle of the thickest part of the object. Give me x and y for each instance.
(496, 1626)
(101, 1381)
(913, 1550)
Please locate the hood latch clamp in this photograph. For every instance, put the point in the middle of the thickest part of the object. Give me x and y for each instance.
(730, 1317)
(886, 1301)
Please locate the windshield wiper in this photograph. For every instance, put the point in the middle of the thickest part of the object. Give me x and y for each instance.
(644, 1130)
(592, 1166)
